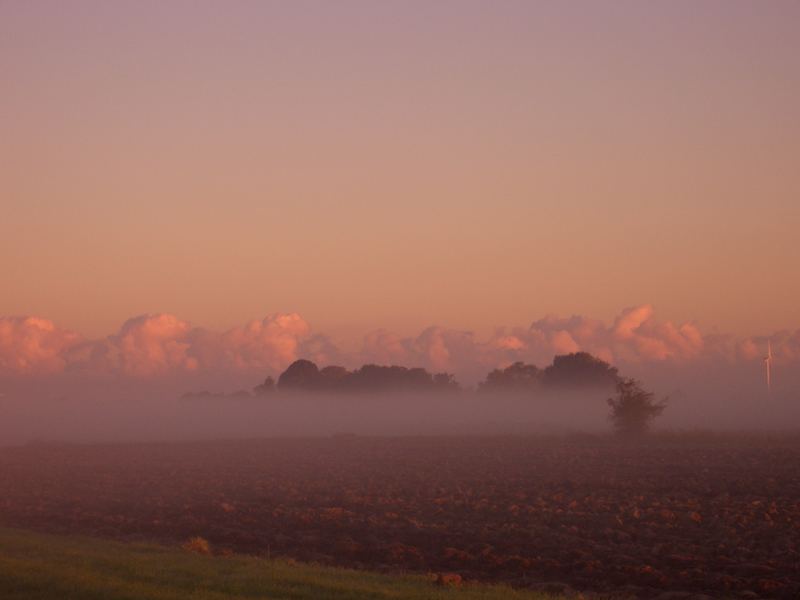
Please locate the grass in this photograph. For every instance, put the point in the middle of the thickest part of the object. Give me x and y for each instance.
(44, 567)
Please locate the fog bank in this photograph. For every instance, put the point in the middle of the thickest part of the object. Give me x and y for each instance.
(136, 416)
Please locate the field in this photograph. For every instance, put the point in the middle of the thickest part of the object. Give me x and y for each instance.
(42, 567)
(716, 515)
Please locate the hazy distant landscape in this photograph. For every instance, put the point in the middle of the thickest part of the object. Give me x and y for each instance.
(568, 396)
(399, 300)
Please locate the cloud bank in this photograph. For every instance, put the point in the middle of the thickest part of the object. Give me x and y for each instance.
(33, 346)
(149, 347)
(163, 346)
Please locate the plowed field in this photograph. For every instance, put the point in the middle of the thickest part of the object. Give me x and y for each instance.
(715, 515)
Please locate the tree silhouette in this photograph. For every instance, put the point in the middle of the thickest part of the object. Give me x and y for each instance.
(304, 375)
(445, 382)
(375, 378)
(633, 409)
(300, 375)
(265, 388)
(580, 369)
(516, 377)
(334, 378)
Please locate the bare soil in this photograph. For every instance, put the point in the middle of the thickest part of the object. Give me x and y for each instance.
(718, 515)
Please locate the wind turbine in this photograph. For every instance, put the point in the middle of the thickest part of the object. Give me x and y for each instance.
(768, 366)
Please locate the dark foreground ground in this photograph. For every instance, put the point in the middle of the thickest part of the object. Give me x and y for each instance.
(35, 566)
(694, 514)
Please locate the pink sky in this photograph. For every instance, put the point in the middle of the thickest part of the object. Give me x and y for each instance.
(396, 166)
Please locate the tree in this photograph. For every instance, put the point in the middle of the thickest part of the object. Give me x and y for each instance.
(265, 388)
(580, 369)
(333, 378)
(380, 378)
(516, 377)
(445, 382)
(305, 375)
(633, 409)
(300, 375)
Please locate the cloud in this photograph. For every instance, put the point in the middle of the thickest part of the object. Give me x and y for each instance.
(153, 347)
(436, 348)
(268, 345)
(441, 349)
(635, 337)
(146, 346)
(31, 346)
(159, 345)
(385, 347)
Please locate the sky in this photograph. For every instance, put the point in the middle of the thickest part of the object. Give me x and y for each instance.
(396, 166)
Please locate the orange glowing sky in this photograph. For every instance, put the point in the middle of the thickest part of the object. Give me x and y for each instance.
(467, 164)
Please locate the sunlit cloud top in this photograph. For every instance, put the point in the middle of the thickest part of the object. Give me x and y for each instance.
(152, 347)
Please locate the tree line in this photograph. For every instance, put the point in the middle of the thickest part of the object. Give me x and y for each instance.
(576, 370)
(632, 409)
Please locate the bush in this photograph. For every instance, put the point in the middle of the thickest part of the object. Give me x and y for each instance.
(633, 409)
